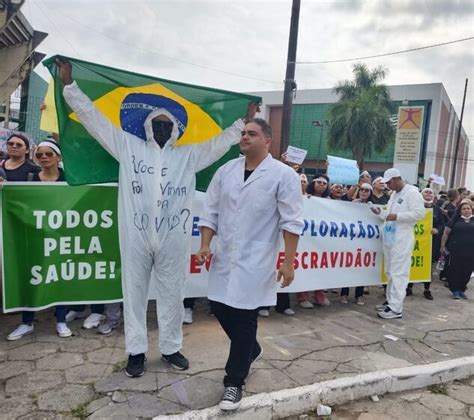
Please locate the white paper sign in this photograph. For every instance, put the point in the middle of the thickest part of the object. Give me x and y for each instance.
(342, 171)
(437, 179)
(295, 155)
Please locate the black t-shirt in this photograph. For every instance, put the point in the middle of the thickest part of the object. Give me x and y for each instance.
(247, 174)
(21, 173)
(382, 200)
(461, 238)
(60, 178)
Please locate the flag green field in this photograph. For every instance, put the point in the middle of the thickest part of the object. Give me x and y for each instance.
(126, 97)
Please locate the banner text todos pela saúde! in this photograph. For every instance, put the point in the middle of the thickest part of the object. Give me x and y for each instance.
(60, 246)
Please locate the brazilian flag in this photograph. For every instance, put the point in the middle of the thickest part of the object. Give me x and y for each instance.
(127, 98)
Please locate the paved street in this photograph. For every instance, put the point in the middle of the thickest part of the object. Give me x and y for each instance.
(44, 376)
(451, 401)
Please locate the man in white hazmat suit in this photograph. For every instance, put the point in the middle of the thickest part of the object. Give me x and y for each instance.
(403, 210)
(156, 188)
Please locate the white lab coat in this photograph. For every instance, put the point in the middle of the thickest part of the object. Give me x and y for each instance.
(249, 218)
(409, 207)
(156, 189)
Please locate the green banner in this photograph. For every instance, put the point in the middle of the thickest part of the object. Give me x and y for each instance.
(59, 242)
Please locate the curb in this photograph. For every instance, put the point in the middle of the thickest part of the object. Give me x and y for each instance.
(300, 400)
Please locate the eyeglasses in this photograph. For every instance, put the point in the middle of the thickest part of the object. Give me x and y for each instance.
(15, 144)
(337, 186)
(39, 155)
(364, 190)
(321, 182)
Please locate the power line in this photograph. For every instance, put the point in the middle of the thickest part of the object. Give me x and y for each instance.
(343, 60)
(91, 28)
(56, 27)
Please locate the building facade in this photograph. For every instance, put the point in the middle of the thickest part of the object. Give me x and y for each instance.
(310, 123)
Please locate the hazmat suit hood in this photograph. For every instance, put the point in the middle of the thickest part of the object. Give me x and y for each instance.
(175, 132)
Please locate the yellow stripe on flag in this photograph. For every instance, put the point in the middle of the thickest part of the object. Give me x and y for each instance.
(200, 127)
(49, 119)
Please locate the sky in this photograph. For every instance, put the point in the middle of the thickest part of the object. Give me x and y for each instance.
(241, 45)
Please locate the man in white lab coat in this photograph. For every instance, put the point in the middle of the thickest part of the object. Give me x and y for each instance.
(250, 204)
(156, 188)
(403, 210)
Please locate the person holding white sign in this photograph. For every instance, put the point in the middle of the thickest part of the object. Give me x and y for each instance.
(251, 202)
(404, 209)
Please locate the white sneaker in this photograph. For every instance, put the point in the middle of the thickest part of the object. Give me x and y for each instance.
(264, 312)
(92, 321)
(306, 304)
(72, 315)
(63, 330)
(106, 327)
(188, 316)
(20, 331)
(289, 312)
(326, 302)
(389, 314)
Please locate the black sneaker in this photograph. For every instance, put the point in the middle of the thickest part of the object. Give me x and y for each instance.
(136, 365)
(177, 360)
(409, 291)
(231, 398)
(258, 351)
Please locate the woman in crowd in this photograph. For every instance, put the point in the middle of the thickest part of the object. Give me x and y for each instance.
(364, 194)
(18, 167)
(318, 188)
(436, 231)
(458, 241)
(336, 192)
(378, 195)
(304, 184)
(48, 156)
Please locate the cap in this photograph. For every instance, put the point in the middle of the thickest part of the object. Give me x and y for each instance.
(391, 173)
(364, 173)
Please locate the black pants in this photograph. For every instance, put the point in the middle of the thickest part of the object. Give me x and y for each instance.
(189, 303)
(426, 285)
(283, 302)
(459, 273)
(240, 325)
(358, 293)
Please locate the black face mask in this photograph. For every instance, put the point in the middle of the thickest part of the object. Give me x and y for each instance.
(161, 131)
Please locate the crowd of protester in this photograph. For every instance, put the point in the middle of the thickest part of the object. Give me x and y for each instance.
(452, 231)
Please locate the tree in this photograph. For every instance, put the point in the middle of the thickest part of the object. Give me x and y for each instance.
(360, 120)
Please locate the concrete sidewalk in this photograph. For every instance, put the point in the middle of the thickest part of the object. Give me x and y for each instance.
(43, 375)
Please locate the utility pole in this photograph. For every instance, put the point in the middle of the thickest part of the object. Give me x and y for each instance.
(456, 149)
(290, 84)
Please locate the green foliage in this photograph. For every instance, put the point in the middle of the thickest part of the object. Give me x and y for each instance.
(79, 412)
(438, 389)
(119, 366)
(360, 120)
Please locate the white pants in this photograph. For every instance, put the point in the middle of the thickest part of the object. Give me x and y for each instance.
(397, 269)
(164, 273)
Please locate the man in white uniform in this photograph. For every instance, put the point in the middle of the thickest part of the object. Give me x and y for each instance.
(249, 204)
(156, 188)
(403, 210)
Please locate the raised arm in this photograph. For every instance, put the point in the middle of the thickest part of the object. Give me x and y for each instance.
(97, 124)
(212, 150)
